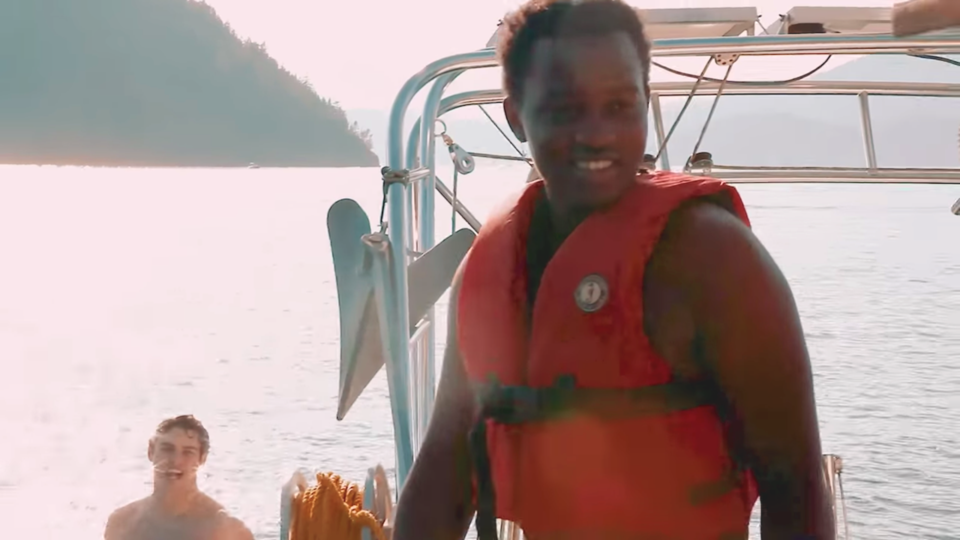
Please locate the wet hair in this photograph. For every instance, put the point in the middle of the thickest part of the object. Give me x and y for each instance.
(547, 19)
(187, 422)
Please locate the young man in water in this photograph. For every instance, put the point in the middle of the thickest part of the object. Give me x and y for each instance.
(177, 509)
(654, 380)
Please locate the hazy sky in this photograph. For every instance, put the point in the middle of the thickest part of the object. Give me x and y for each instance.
(361, 53)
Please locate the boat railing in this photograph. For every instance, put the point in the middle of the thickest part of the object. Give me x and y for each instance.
(872, 173)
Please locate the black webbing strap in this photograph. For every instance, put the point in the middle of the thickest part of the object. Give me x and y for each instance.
(513, 405)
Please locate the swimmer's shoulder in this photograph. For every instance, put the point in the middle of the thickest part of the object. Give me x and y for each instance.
(206, 506)
(122, 519)
(232, 528)
(228, 527)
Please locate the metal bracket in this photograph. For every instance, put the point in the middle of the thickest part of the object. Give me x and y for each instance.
(463, 162)
(725, 59)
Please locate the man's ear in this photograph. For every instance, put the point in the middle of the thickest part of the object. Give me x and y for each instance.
(512, 112)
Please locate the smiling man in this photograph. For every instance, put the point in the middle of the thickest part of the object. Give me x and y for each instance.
(624, 359)
(177, 509)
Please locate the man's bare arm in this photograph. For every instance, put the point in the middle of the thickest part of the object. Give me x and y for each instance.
(436, 502)
(751, 340)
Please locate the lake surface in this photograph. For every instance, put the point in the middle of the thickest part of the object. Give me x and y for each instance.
(131, 295)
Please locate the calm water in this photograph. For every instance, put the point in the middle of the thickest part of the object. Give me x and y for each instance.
(130, 295)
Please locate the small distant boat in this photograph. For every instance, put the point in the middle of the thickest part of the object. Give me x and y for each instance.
(253, 165)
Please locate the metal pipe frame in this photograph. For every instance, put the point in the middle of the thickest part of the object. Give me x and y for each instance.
(442, 189)
(426, 191)
(793, 45)
(399, 197)
(658, 129)
(751, 174)
(682, 89)
(803, 44)
(809, 88)
(866, 124)
(853, 176)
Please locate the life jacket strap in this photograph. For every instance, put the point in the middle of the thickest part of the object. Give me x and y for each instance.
(514, 405)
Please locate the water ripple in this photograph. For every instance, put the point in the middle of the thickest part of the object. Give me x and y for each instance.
(229, 311)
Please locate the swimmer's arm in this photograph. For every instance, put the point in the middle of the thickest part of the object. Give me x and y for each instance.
(437, 501)
(749, 332)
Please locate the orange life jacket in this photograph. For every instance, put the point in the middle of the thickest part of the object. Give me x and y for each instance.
(585, 432)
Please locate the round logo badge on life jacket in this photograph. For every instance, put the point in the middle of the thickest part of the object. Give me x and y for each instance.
(592, 293)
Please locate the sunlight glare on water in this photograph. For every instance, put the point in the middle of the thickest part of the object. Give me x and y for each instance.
(132, 295)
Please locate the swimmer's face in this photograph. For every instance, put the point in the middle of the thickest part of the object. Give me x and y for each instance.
(176, 455)
(583, 112)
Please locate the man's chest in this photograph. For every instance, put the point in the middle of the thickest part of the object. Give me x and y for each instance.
(667, 320)
(150, 528)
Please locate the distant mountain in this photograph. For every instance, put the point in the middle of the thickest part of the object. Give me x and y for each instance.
(376, 123)
(788, 130)
(826, 130)
(156, 83)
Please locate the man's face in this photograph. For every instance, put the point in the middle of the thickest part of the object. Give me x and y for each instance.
(176, 456)
(583, 113)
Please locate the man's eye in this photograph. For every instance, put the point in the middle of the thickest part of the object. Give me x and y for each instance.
(621, 106)
(562, 112)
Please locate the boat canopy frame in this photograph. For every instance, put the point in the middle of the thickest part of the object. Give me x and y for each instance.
(382, 274)
(410, 236)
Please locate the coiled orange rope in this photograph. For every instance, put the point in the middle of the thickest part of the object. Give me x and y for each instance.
(332, 510)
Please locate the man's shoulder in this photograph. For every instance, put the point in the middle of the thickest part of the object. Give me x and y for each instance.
(701, 231)
(231, 528)
(705, 219)
(123, 518)
(716, 260)
(228, 527)
(129, 510)
(206, 505)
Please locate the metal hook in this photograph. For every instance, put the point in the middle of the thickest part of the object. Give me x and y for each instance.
(462, 160)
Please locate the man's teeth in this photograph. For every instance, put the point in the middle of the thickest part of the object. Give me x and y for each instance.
(596, 165)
